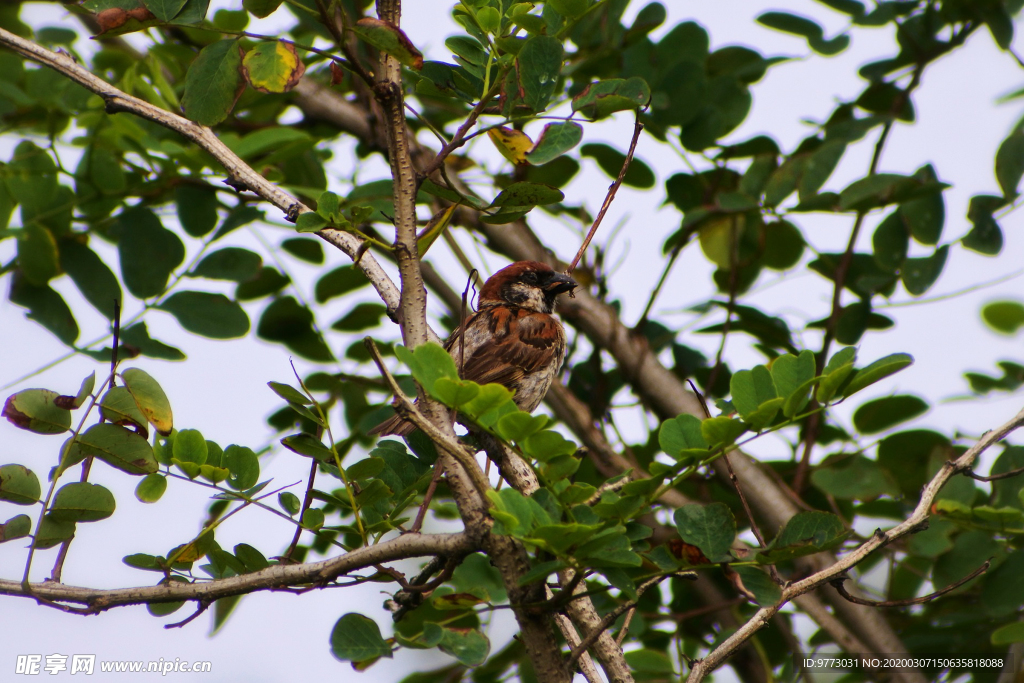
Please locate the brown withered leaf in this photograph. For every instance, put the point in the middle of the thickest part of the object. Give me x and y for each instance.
(337, 74)
(116, 18)
(691, 554)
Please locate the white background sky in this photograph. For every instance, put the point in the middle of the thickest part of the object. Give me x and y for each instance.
(222, 389)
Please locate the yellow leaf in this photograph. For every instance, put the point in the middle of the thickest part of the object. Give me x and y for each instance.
(435, 226)
(513, 144)
(273, 67)
(716, 238)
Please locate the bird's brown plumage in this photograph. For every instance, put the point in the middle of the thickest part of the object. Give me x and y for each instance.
(512, 340)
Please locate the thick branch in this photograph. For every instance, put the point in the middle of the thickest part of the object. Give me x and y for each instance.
(272, 578)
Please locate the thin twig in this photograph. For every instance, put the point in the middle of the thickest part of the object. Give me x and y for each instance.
(610, 618)
(459, 138)
(306, 502)
(839, 277)
(993, 477)
(637, 129)
(203, 606)
(837, 583)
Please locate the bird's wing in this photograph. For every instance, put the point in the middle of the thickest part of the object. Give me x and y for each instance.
(503, 343)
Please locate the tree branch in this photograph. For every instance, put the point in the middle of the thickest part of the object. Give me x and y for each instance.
(880, 538)
(276, 577)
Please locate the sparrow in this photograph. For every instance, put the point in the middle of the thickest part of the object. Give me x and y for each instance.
(512, 340)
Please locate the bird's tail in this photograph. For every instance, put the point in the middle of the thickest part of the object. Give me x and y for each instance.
(395, 425)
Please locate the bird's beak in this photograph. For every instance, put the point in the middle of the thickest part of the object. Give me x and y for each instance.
(559, 284)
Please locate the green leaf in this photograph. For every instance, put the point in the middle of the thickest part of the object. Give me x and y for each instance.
(243, 465)
(356, 638)
(681, 437)
(610, 160)
(765, 591)
(31, 177)
(881, 414)
(521, 195)
(119, 448)
(287, 322)
(867, 193)
(1008, 634)
(261, 8)
(273, 67)
(289, 393)
(539, 65)
(1010, 163)
(138, 336)
(165, 10)
(721, 431)
(19, 485)
(791, 373)
(547, 445)
(919, 274)
(151, 488)
(986, 237)
(252, 558)
(428, 363)
(891, 242)
(150, 398)
(649, 662)
(361, 317)
(309, 446)
(339, 281)
(1005, 317)
(751, 388)
(604, 98)
(289, 502)
(310, 222)
(36, 410)
(924, 217)
(555, 140)
(570, 8)
(82, 502)
(852, 477)
(84, 391)
(197, 208)
(213, 83)
(52, 532)
(819, 166)
(46, 307)
(520, 425)
(305, 249)
(783, 245)
(190, 446)
(809, 29)
(468, 645)
(37, 255)
(206, 314)
(149, 253)
(16, 527)
(712, 528)
(312, 519)
(880, 369)
(365, 468)
(118, 406)
(388, 38)
(231, 263)
(805, 533)
(92, 276)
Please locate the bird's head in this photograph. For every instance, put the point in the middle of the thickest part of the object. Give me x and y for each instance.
(527, 284)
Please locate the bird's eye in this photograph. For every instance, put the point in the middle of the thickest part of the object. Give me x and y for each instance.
(530, 277)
